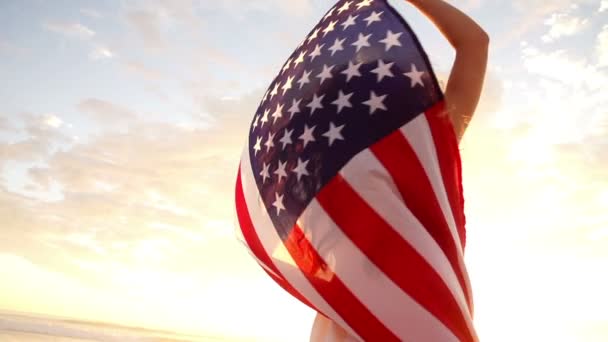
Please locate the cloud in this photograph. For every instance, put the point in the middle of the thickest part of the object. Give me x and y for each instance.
(561, 109)
(10, 47)
(294, 8)
(40, 177)
(154, 193)
(45, 127)
(41, 133)
(542, 175)
(539, 188)
(602, 47)
(144, 71)
(24, 150)
(563, 24)
(5, 124)
(565, 99)
(147, 24)
(73, 30)
(560, 66)
(603, 6)
(4, 46)
(532, 14)
(101, 52)
(297, 8)
(181, 11)
(472, 4)
(52, 120)
(106, 113)
(89, 12)
(552, 135)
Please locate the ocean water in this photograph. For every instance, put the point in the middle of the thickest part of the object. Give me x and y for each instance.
(25, 328)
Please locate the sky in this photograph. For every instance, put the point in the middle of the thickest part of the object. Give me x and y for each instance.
(122, 123)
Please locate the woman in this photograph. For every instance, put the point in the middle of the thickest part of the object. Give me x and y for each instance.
(461, 96)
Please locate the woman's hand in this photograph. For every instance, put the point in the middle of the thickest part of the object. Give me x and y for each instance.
(468, 72)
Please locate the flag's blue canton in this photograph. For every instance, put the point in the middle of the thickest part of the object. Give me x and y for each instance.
(358, 76)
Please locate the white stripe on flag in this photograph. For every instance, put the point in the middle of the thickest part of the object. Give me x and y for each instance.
(382, 195)
(418, 134)
(271, 242)
(393, 307)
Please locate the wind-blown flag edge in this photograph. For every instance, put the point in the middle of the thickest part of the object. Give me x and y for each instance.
(332, 293)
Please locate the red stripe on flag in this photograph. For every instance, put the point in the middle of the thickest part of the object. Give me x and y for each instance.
(393, 255)
(256, 246)
(399, 159)
(448, 154)
(333, 290)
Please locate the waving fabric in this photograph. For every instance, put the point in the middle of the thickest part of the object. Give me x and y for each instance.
(349, 191)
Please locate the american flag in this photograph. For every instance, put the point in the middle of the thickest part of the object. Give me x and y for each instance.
(349, 190)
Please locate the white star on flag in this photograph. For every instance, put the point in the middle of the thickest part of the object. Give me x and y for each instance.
(300, 59)
(364, 3)
(330, 27)
(278, 203)
(300, 169)
(314, 35)
(352, 70)
(286, 138)
(383, 70)
(265, 172)
(275, 90)
(265, 117)
(257, 147)
(344, 7)
(325, 74)
(343, 101)
(269, 143)
(334, 133)
(362, 41)
(374, 17)
(295, 108)
(350, 21)
(415, 76)
(316, 52)
(287, 84)
(307, 136)
(392, 39)
(278, 113)
(337, 46)
(375, 102)
(305, 78)
(315, 103)
(280, 171)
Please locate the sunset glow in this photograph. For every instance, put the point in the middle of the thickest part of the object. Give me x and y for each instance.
(122, 124)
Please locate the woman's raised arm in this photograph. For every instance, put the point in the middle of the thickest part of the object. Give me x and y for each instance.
(468, 72)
